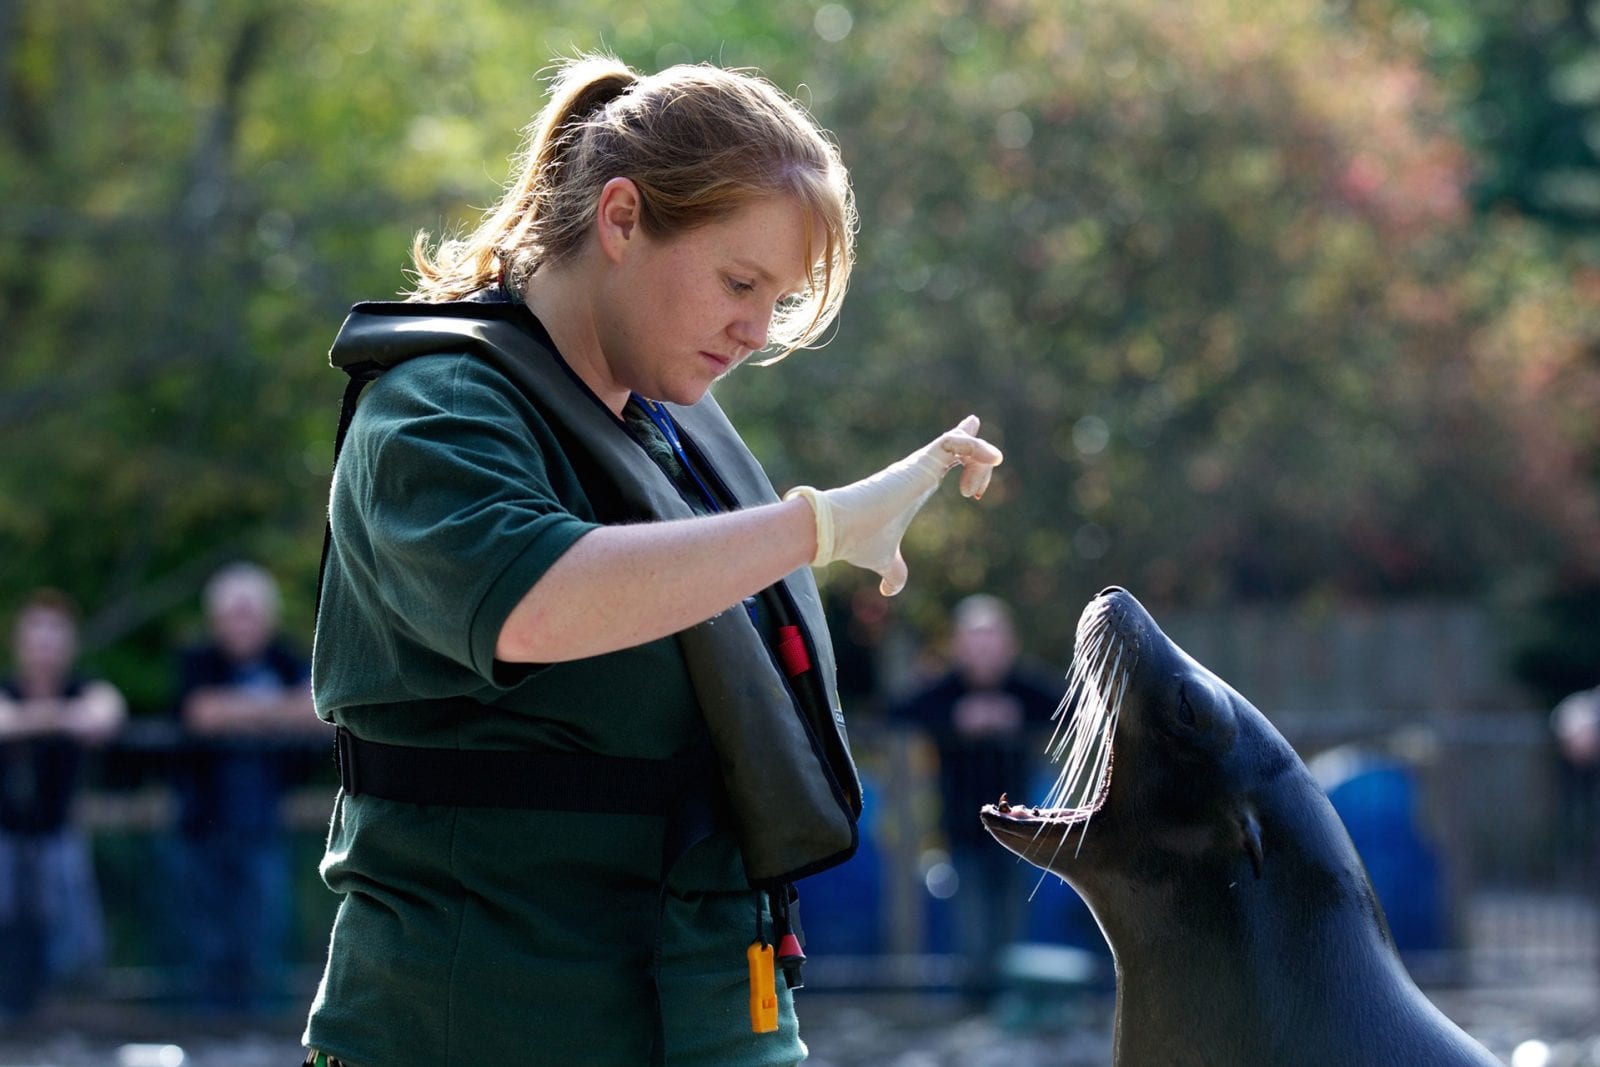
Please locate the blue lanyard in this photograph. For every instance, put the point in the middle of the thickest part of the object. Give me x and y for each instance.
(663, 422)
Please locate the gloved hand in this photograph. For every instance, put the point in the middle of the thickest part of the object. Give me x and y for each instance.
(862, 523)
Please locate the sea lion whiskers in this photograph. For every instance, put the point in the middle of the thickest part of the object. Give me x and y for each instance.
(1084, 722)
(1071, 726)
(1085, 734)
(1100, 741)
(1092, 645)
(1096, 683)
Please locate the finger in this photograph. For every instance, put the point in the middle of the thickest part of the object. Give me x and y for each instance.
(975, 479)
(964, 449)
(894, 579)
(968, 425)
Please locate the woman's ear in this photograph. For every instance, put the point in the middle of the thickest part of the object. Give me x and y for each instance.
(617, 217)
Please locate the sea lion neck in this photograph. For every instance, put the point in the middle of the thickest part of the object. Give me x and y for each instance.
(1230, 945)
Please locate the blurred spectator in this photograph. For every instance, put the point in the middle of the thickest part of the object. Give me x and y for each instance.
(50, 921)
(242, 695)
(1576, 722)
(1576, 725)
(988, 717)
(857, 618)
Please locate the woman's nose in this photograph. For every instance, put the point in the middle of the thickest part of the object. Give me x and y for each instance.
(751, 333)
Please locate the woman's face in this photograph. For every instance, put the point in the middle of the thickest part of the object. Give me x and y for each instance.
(243, 618)
(679, 312)
(46, 642)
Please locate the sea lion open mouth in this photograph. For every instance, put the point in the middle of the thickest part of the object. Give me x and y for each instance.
(1104, 656)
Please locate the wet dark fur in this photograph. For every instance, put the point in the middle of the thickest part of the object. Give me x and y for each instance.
(1244, 927)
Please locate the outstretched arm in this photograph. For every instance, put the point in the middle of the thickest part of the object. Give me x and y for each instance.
(620, 586)
(93, 715)
(229, 710)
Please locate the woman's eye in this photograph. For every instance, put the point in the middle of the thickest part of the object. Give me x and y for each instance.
(737, 286)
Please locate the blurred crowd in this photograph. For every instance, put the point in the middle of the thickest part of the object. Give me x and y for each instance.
(240, 724)
(242, 700)
(225, 882)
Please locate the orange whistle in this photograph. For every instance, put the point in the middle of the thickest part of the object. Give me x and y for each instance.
(763, 988)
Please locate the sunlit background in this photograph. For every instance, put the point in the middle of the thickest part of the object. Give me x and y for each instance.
(1285, 312)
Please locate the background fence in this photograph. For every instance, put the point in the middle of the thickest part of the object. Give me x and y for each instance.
(1480, 842)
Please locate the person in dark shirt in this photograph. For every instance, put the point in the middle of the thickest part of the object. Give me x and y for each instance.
(988, 717)
(50, 716)
(244, 696)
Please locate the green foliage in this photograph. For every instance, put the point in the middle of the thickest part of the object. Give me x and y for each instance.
(1233, 323)
(1554, 651)
(1526, 77)
(1207, 270)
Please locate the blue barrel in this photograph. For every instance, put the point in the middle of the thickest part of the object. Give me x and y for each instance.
(841, 909)
(1376, 797)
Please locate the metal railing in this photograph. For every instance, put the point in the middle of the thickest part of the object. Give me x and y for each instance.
(1512, 830)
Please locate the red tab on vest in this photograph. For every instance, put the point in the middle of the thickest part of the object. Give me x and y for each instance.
(792, 651)
(789, 951)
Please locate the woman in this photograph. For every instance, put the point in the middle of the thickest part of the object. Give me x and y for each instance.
(50, 717)
(588, 729)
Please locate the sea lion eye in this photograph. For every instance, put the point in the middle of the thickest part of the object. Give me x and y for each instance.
(1185, 712)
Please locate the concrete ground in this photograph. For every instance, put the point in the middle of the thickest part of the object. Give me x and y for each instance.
(1537, 1024)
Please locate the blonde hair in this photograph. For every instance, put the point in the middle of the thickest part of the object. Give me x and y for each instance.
(698, 141)
(252, 579)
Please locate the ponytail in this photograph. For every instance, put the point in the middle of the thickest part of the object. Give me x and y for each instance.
(498, 247)
(583, 87)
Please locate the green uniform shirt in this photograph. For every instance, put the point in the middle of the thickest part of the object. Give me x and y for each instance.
(484, 936)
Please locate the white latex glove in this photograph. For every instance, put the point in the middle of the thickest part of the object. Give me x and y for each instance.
(862, 523)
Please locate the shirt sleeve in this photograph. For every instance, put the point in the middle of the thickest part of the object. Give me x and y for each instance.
(458, 508)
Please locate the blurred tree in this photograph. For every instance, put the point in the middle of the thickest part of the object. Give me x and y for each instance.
(192, 195)
(1525, 80)
(1555, 650)
(1232, 320)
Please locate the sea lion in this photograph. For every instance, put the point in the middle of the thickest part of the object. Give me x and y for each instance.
(1243, 925)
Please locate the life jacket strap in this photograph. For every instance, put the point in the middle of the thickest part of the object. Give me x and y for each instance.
(526, 779)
